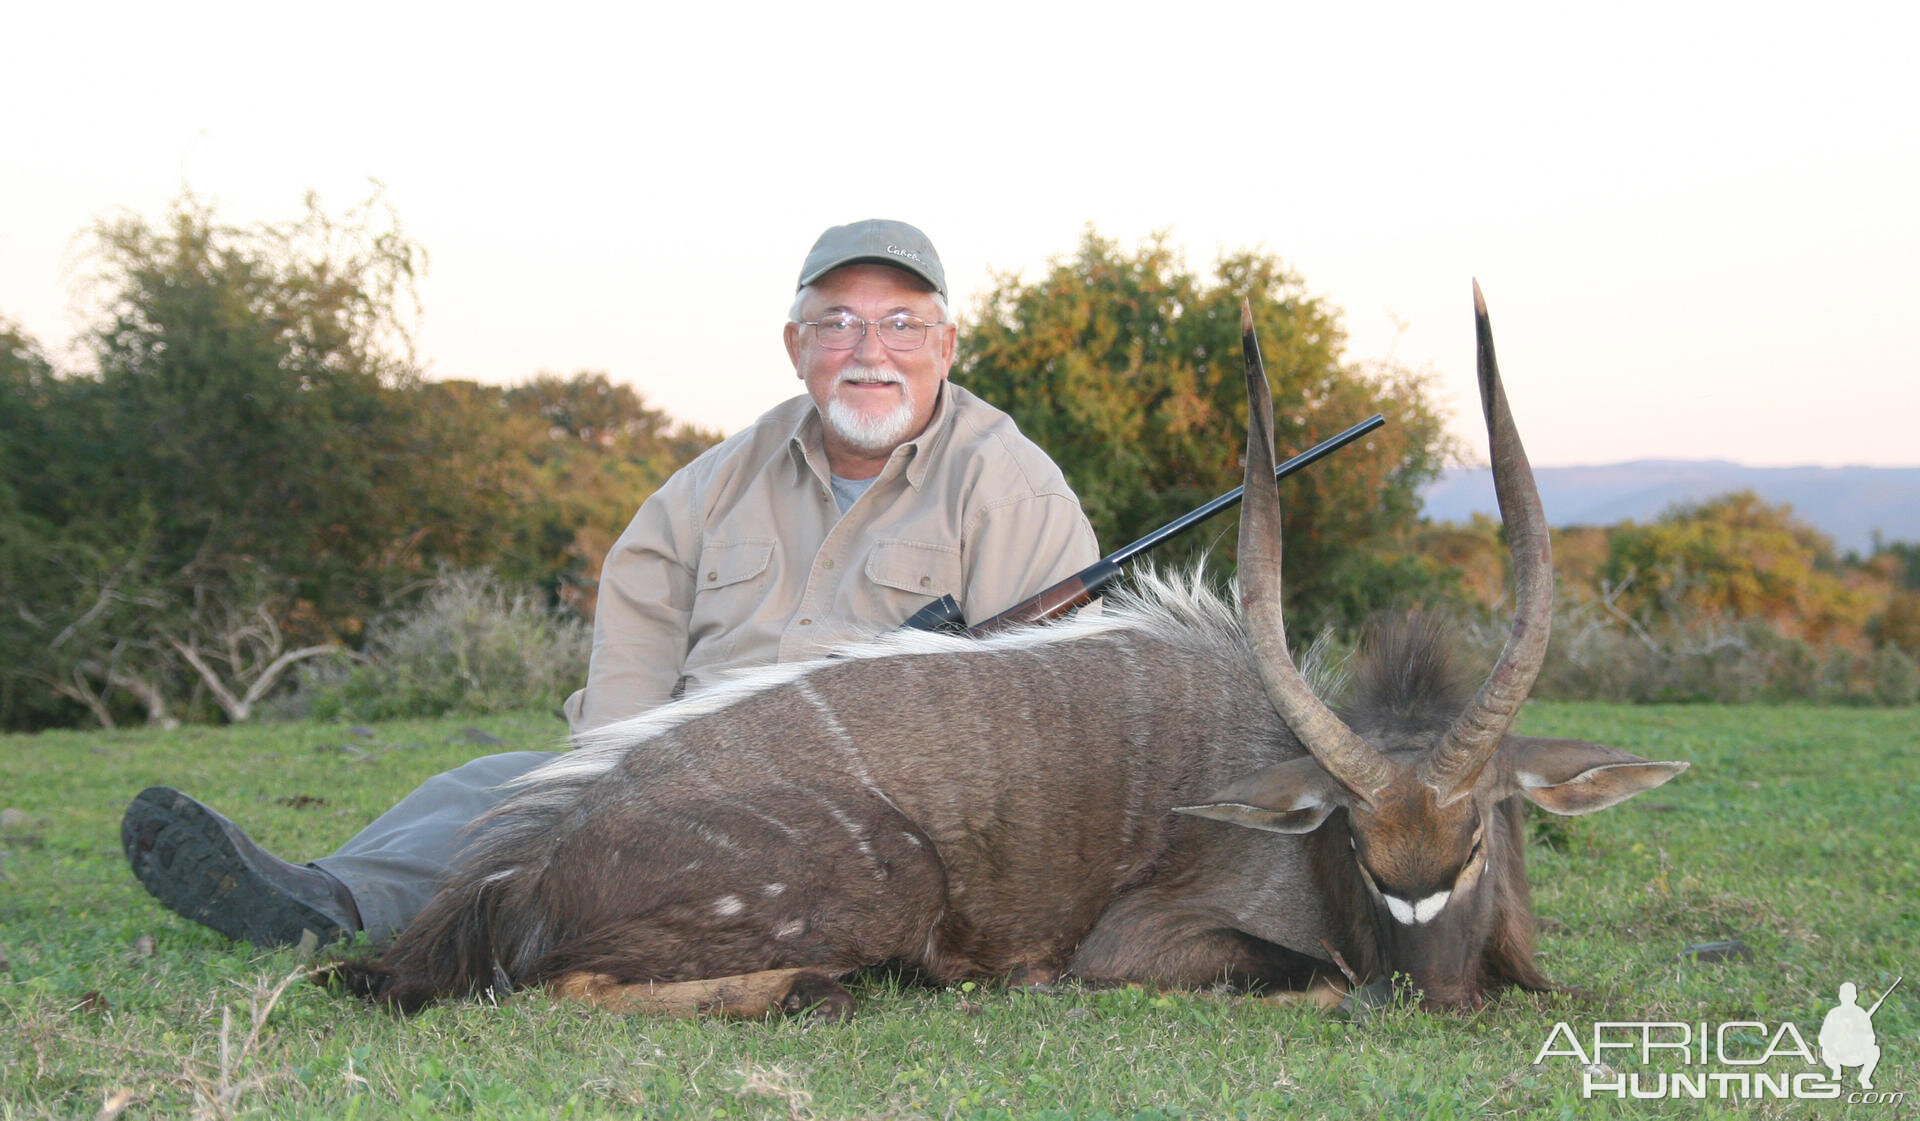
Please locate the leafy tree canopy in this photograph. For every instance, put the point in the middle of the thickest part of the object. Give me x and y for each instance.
(253, 383)
(1734, 556)
(1126, 366)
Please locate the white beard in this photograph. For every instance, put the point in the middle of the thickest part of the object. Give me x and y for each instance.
(864, 432)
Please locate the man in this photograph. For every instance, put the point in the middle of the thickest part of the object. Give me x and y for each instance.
(832, 518)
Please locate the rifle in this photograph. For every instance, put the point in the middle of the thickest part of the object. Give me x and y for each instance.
(1885, 995)
(1082, 587)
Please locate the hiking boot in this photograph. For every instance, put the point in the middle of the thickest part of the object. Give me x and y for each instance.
(200, 865)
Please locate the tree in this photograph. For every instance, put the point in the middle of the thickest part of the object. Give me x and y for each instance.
(63, 576)
(1736, 557)
(1899, 623)
(1901, 560)
(27, 389)
(590, 407)
(240, 452)
(606, 450)
(1126, 367)
(253, 469)
(550, 470)
(255, 382)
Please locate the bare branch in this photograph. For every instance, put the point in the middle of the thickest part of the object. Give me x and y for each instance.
(80, 689)
(1610, 594)
(149, 694)
(283, 663)
(107, 597)
(239, 708)
(229, 703)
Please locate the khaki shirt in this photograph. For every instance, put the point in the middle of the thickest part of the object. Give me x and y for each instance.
(742, 558)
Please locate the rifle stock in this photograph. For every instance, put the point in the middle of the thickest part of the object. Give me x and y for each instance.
(1082, 588)
(1086, 585)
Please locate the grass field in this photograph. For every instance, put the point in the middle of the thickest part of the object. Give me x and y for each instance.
(1796, 832)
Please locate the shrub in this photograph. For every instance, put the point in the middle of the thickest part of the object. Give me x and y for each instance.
(1601, 657)
(1894, 675)
(467, 645)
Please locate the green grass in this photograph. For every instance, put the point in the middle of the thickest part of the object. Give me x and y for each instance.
(1795, 832)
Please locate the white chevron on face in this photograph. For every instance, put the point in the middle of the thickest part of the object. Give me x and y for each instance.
(1419, 913)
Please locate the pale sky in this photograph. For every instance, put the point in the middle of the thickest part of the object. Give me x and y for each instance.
(1697, 225)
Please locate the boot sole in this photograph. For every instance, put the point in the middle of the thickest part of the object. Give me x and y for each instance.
(182, 854)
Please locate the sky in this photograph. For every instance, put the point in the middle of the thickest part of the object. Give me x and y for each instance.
(1697, 225)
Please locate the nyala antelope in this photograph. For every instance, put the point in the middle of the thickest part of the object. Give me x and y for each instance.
(1152, 795)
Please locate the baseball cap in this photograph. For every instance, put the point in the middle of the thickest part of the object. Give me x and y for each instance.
(880, 240)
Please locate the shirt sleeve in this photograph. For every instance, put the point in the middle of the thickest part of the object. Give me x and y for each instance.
(1024, 546)
(641, 617)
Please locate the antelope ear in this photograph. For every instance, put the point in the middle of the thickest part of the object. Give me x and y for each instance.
(1576, 777)
(1291, 797)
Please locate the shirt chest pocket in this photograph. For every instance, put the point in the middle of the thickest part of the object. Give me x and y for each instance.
(917, 569)
(731, 587)
(723, 563)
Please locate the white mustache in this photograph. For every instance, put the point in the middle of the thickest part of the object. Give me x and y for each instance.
(869, 375)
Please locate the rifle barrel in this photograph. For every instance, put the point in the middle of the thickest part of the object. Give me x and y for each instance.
(1885, 995)
(1086, 584)
(1186, 521)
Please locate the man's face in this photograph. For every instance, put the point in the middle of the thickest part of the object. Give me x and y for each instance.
(870, 399)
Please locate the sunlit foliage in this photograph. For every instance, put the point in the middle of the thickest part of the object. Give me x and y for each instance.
(248, 467)
(1126, 366)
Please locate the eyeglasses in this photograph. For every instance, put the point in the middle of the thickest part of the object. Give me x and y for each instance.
(895, 332)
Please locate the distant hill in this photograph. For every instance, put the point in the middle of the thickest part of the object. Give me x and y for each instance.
(1846, 503)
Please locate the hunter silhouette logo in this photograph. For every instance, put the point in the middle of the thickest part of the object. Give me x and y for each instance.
(1846, 1035)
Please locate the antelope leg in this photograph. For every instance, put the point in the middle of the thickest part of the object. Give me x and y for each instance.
(746, 996)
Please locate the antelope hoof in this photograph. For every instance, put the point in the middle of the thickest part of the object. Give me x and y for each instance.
(818, 997)
(1033, 978)
(1363, 1002)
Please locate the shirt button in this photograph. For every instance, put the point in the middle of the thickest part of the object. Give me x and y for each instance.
(713, 576)
(926, 581)
(806, 622)
(827, 563)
